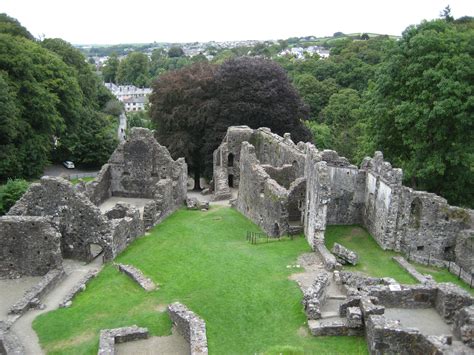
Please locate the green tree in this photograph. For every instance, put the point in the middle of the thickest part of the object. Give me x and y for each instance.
(174, 52)
(134, 69)
(47, 97)
(420, 110)
(11, 26)
(342, 114)
(321, 133)
(10, 193)
(110, 69)
(315, 93)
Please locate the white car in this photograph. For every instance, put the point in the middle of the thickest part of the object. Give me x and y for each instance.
(68, 164)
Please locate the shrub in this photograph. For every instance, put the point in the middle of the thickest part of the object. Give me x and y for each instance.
(10, 193)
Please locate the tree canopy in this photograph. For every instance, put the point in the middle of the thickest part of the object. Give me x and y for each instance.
(49, 98)
(420, 109)
(193, 107)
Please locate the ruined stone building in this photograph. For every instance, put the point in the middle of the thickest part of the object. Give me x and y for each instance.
(283, 185)
(269, 172)
(55, 220)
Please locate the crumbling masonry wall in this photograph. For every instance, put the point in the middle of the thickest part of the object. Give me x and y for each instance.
(142, 168)
(53, 221)
(28, 246)
(260, 197)
(272, 193)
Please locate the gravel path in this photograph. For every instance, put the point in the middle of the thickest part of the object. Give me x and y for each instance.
(75, 271)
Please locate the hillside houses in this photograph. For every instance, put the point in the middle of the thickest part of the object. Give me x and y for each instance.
(133, 98)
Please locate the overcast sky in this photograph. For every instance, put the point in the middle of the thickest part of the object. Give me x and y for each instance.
(143, 21)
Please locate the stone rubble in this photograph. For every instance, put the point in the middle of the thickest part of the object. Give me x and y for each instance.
(344, 255)
(315, 295)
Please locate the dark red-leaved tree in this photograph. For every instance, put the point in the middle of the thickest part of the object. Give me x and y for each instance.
(193, 107)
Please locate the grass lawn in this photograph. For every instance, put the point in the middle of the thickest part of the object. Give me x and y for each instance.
(201, 259)
(373, 260)
(442, 275)
(377, 262)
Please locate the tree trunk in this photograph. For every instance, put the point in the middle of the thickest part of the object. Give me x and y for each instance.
(197, 178)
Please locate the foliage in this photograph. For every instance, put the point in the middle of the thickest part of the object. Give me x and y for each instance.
(202, 260)
(175, 52)
(113, 108)
(45, 97)
(193, 107)
(49, 97)
(321, 133)
(134, 70)
(139, 119)
(315, 93)
(11, 26)
(180, 110)
(419, 111)
(342, 115)
(110, 69)
(10, 193)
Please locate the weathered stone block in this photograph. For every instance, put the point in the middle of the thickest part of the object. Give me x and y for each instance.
(344, 255)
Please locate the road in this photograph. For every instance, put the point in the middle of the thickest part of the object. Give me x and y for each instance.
(122, 127)
(59, 170)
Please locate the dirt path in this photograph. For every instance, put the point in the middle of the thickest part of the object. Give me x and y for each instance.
(22, 327)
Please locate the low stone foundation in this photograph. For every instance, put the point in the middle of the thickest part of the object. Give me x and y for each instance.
(412, 271)
(32, 297)
(110, 337)
(146, 283)
(314, 296)
(79, 287)
(189, 325)
(464, 325)
(10, 344)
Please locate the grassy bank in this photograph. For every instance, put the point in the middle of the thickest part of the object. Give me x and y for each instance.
(202, 260)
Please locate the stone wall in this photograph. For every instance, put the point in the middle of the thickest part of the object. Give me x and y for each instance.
(32, 297)
(98, 190)
(109, 337)
(464, 325)
(227, 160)
(142, 168)
(317, 197)
(52, 214)
(464, 250)
(29, 246)
(190, 326)
(260, 197)
(80, 222)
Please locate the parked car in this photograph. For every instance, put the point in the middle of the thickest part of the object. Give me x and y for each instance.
(68, 164)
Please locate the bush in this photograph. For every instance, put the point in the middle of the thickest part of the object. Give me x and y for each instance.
(10, 193)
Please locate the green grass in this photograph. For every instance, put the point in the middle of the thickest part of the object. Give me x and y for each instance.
(202, 260)
(442, 275)
(373, 260)
(85, 179)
